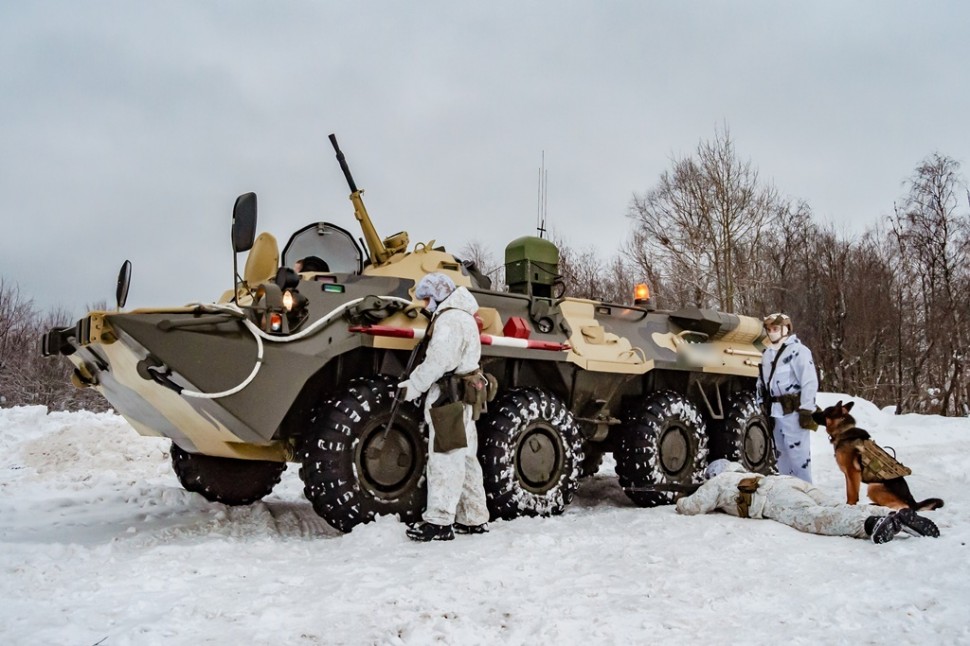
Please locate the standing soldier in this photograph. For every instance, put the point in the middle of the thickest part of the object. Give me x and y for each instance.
(456, 494)
(789, 384)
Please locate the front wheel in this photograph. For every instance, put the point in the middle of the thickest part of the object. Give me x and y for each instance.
(530, 449)
(662, 450)
(230, 481)
(353, 472)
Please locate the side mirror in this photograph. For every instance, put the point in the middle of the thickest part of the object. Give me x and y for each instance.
(244, 222)
(124, 280)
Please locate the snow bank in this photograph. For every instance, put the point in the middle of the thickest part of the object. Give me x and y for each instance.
(101, 545)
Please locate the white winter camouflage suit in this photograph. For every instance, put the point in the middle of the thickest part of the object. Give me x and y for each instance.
(794, 374)
(455, 489)
(786, 499)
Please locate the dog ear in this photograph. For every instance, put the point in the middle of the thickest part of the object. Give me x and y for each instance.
(849, 406)
(838, 404)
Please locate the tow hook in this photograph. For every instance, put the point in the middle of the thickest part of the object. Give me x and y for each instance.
(153, 370)
(83, 377)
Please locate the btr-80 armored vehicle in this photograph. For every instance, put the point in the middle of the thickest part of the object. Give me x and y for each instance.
(302, 366)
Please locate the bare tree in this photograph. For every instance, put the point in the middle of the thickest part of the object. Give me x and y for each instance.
(621, 278)
(477, 254)
(17, 317)
(26, 377)
(932, 240)
(701, 227)
(583, 272)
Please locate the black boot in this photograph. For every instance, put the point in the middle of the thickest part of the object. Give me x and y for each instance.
(916, 525)
(425, 532)
(882, 529)
(461, 528)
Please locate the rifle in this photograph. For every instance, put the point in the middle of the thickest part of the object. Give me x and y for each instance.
(379, 444)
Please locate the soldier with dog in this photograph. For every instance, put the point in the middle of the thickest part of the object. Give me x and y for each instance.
(788, 386)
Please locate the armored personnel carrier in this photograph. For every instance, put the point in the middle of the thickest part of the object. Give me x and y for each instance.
(299, 362)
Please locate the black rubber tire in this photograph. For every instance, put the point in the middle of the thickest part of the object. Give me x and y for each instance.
(227, 480)
(530, 448)
(345, 475)
(663, 444)
(744, 435)
(592, 460)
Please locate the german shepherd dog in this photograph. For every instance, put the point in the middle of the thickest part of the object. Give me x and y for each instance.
(846, 439)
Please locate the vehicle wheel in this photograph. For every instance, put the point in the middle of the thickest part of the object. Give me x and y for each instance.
(350, 472)
(662, 449)
(744, 435)
(230, 481)
(530, 448)
(592, 459)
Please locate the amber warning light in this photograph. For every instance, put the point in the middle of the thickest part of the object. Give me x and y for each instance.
(641, 293)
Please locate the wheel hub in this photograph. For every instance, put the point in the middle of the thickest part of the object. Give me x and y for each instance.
(755, 445)
(539, 459)
(674, 449)
(387, 461)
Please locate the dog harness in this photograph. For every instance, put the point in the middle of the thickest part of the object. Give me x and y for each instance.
(877, 464)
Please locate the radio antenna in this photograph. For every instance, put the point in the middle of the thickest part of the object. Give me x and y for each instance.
(542, 199)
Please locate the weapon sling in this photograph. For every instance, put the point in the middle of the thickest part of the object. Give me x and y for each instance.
(420, 347)
(767, 386)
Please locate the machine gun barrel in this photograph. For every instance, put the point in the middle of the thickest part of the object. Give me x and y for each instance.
(343, 164)
(378, 252)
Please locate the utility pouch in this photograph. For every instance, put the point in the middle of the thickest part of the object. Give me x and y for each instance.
(492, 390)
(449, 427)
(474, 388)
(477, 389)
(789, 403)
(746, 489)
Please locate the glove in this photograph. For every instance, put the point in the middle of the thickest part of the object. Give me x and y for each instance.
(805, 419)
(410, 393)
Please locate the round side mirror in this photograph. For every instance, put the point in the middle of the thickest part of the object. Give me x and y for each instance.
(124, 280)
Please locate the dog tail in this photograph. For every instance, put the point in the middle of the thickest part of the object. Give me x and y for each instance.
(898, 488)
(929, 504)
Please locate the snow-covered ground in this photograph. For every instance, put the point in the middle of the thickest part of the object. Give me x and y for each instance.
(100, 545)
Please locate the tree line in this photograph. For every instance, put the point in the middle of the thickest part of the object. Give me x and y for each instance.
(886, 313)
(27, 378)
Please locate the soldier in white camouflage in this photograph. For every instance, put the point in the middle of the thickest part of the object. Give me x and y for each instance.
(788, 384)
(456, 494)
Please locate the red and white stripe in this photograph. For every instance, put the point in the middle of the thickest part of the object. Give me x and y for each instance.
(487, 339)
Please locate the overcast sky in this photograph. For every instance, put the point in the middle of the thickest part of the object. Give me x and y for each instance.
(128, 128)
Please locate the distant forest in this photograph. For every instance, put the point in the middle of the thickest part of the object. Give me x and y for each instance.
(886, 314)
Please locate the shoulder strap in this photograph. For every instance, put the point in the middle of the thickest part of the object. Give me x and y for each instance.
(417, 354)
(437, 315)
(774, 365)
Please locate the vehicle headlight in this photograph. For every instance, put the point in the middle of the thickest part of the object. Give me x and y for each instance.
(277, 311)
